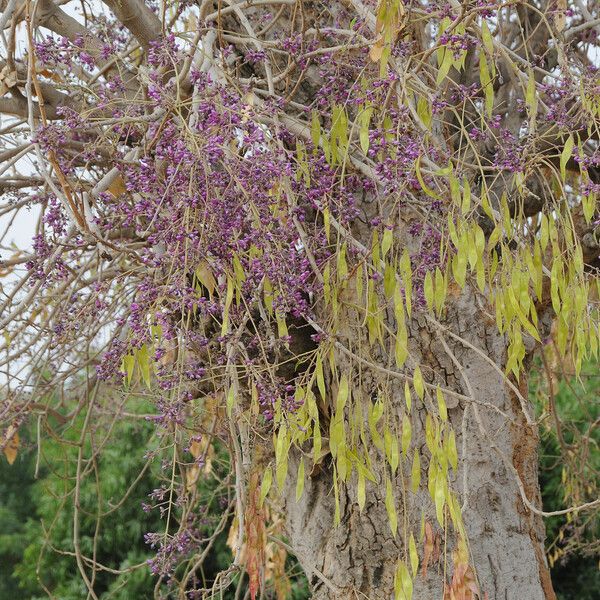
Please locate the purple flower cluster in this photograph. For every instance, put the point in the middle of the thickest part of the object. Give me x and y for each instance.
(458, 43)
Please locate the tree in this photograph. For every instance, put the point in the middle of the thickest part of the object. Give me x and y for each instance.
(115, 518)
(331, 236)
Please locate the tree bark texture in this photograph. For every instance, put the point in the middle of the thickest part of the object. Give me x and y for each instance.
(358, 558)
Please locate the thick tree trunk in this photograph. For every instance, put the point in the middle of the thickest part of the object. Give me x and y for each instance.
(358, 558)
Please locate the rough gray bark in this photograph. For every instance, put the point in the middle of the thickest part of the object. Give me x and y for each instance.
(359, 557)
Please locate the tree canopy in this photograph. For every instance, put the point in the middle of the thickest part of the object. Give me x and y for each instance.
(325, 241)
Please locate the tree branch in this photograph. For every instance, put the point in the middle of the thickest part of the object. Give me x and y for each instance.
(138, 18)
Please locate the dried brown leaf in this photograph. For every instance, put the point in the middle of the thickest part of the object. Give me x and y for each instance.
(12, 445)
(8, 79)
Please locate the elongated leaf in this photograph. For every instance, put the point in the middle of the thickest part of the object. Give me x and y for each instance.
(565, 156)
(415, 472)
(406, 434)
(361, 492)
(390, 506)
(418, 382)
(413, 554)
(486, 37)
(265, 486)
(300, 480)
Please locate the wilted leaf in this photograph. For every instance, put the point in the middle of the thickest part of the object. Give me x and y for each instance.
(428, 549)
(191, 477)
(560, 18)
(12, 445)
(8, 79)
(376, 50)
(117, 187)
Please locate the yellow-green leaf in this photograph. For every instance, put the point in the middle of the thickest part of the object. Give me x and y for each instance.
(265, 486)
(403, 585)
(230, 400)
(361, 491)
(406, 434)
(440, 496)
(320, 377)
(486, 38)
(390, 506)
(418, 382)
(566, 155)
(228, 299)
(143, 361)
(466, 199)
(315, 130)
(415, 472)
(531, 95)
(441, 404)
(128, 366)
(444, 67)
(342, 395)
(486, 85)
(452, 453)
(365, 120)
(424, 111)
(428, 290)
(300, 480)
(386, 242)
(413, 554)
(422, 183)
(407, 396)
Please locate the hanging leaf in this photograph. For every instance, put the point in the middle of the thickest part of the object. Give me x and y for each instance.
(452, 452)
(386, 242)
(421, 181)
(11, 445)
(342, 395)
(444, 66)
(428, 549)
(413, 554)
(390, 506)
(415, 472)
(365, 120)
(406, 434)
(300, 480)
(315, 129)
(320, 376)
(565, 156)
(531, 99)
(128, 366)
(281, 456)
(441, 404)
(486, 37)
(428, 290)
(361, 491)
(403, 585)
(228, 300)
(424, 111)
(391, 450)
(143, 359)
(407, 396)
(418, 382)
(486, 85)
(440, 496)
